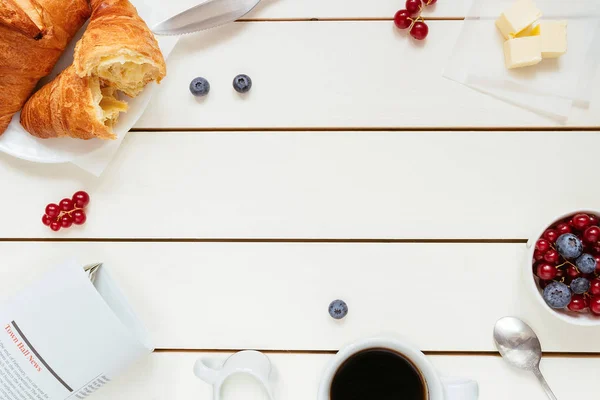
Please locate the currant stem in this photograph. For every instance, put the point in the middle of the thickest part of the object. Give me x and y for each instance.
(415, 20)
(567, 262)
(63, 213)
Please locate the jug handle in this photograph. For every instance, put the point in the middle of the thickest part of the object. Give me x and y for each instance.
(204, 372)
(460, 389)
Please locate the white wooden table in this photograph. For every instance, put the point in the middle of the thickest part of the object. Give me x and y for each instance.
(232, 223)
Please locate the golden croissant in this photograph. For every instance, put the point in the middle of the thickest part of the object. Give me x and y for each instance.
(33, 35)
(116, 53)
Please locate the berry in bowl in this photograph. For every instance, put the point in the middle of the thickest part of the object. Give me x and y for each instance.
(566, 268)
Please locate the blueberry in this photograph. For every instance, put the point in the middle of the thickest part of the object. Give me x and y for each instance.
(242, 83)
(338, 309)
(569, 246)
(580, 285)
(557, 295)
(586, 264)
(199, 87)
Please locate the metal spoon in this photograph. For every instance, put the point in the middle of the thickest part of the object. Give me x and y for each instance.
(519, 346)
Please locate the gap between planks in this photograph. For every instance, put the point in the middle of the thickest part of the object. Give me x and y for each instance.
(342, 19)
(378, 129)
(426, 352)
(264, 240)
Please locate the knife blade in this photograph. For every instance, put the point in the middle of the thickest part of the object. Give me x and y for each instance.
(207, 15)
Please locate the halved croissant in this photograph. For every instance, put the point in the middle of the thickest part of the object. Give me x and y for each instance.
(127, 55)
(116, 53)
(72, 106)
(33, 35)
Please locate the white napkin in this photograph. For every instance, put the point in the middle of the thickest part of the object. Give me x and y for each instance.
(551, 88)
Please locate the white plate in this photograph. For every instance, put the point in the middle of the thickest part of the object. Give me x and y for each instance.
(18, 143)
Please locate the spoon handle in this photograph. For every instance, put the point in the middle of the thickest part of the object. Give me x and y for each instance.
(544, 384)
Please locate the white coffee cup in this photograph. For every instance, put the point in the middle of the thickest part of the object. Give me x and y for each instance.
(437, 388)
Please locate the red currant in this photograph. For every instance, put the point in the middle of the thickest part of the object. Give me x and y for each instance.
(552, 256)
(546, 272)
(594, 220)
(595, 305)
(560, 273)
(595, 248)
(419, 30)
(572, 272)
(537, 255)
(550, 235)
(581, 221)
(79, 217)
(52, 210)
(591, 234)
(46, 220)
(81, 199)
(402, 19)
(543, 284)
(66, 205)
(595, 287)
(55, 226)
(66, 221)
(563, 228)
(542, 245)
(577, 303)
(413, 7)
(597, 257)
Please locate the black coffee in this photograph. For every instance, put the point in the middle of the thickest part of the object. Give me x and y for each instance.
(377, 374)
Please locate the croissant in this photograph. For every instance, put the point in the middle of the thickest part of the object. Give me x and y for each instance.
(116, 53)
(33, 35)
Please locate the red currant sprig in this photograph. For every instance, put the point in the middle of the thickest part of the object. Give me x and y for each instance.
(411, 19)
(67, 212)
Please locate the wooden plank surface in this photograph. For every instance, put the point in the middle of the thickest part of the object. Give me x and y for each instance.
(166, 376)
(332, 9)
(331, 75)
(442, 297)
(331, 185)
(319, 185)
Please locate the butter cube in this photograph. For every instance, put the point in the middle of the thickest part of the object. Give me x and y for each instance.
(517, 18)
(531, 30)
(554, 38)
(523, 52)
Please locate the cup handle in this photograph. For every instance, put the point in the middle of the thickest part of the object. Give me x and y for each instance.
(204, 372)
(460, 389)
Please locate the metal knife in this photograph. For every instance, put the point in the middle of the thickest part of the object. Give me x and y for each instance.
(207, 15)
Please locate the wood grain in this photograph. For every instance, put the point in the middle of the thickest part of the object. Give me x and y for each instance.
(315, 185)
(442, 297)
(297, 377)
(331, 75)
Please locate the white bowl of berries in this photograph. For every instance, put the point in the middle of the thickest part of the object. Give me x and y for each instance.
(565, 256)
